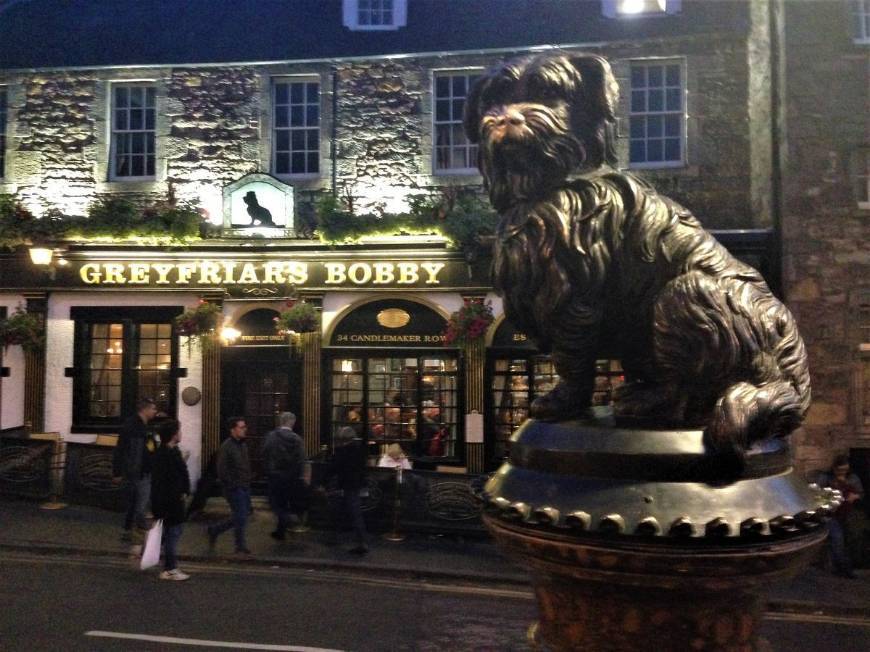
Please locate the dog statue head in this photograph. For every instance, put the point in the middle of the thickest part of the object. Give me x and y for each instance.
(538, 119)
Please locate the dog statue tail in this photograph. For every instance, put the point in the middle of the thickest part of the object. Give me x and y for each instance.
(771, 406)
(735, 335)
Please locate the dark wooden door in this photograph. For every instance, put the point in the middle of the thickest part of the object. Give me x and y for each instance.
(258, 383)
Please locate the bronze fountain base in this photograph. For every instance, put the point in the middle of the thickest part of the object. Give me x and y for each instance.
(633, 541)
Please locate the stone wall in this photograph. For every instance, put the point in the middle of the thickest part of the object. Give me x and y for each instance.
(214, 126)
(826, 239)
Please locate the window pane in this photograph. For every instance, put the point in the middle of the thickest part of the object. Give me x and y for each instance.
(638, 101)
(282, 93)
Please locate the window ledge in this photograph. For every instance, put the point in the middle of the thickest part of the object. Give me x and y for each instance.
(658, 165)
(95, 429)
(133, 185)
(458, 172)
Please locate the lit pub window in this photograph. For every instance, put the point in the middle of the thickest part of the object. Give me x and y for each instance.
(657, 116)
(296, 130)
(410, 401)
(133, 131)
(120, 360)
(453, 151)
(375, 12)
(2, 132)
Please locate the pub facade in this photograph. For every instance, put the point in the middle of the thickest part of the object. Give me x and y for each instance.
(360, 102)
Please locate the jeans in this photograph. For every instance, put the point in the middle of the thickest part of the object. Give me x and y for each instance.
(280, 492)
(353, 510)
(240, 504)
(837, 541)
(171, 535)
(138, 493)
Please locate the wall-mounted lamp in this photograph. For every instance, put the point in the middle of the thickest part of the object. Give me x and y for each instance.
(41, 255)
(229, 334)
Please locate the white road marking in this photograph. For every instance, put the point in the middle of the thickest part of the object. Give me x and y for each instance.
(172, 640)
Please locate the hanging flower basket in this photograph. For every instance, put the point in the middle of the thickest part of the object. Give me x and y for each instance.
(469, 323)
(22, 329)
(299, 318)
(199, 325)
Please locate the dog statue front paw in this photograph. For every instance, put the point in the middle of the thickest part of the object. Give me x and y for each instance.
(559, 404)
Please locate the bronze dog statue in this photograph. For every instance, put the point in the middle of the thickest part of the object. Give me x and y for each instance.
(593, 263)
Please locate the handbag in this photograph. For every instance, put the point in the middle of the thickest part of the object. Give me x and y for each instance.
(151, 549)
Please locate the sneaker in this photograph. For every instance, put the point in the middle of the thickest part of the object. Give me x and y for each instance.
(174, 575)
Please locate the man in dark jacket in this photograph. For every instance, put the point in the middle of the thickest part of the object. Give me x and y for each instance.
(234, 472)
(283, 458)
(170, 483)
(131, 464)
(349, 466)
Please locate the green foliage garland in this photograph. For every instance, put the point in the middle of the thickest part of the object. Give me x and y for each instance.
(457, 214)
(109, 218)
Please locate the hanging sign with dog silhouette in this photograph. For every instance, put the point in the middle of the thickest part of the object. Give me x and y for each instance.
(258, 204)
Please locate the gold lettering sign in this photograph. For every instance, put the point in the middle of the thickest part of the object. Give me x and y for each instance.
(272, 272)
(378, 338)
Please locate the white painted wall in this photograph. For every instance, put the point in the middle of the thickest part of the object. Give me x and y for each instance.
(59, 355)
(12, 387)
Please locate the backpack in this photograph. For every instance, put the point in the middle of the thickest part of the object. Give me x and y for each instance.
(282, 456)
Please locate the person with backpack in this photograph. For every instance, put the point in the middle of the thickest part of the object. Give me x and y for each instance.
(283, 460)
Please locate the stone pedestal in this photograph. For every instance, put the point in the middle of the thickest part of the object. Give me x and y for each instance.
(634, 540)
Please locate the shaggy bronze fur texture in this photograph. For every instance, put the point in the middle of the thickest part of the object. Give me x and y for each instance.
(593, 263)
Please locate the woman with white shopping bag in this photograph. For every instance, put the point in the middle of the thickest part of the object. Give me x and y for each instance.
(170, 483)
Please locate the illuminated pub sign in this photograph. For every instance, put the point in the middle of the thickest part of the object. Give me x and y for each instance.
(390, 323)
(268, 272)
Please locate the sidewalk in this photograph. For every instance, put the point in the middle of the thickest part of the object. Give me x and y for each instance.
(82, 530)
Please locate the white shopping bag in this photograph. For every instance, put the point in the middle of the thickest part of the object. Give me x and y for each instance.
(151, 551)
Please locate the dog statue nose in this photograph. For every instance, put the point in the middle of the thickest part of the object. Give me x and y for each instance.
(515, 117)
(509, 116)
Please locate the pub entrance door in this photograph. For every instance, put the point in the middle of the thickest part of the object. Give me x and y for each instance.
(258, 383)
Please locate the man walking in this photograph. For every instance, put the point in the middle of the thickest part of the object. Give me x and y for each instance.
(234, 472)
(283, 459)
(131, 464)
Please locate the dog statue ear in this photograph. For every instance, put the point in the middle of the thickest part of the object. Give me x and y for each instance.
(471, 113)
(599, 84)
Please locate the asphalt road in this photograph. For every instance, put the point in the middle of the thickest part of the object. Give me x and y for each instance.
(61, 603)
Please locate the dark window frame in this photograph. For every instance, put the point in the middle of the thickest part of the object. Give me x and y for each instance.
(131, 318)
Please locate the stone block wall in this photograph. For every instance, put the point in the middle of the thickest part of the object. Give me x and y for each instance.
(826, 239)
(214, 126)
